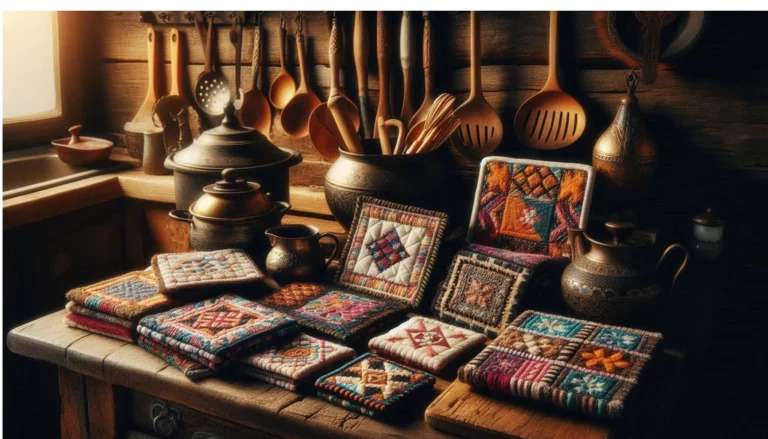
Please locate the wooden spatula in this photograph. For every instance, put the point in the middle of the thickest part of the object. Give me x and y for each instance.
(143, 118)
(481, 129)
(653, 22)
(550, 119)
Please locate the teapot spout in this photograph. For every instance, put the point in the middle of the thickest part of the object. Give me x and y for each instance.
(577, 242)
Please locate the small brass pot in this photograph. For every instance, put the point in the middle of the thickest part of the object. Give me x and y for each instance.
(296, 254)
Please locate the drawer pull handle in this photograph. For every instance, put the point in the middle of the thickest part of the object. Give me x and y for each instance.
(165, 419)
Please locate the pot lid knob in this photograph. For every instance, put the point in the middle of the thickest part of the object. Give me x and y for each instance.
(621, 230)
(709, 218)
(230, 119)
(231, 181)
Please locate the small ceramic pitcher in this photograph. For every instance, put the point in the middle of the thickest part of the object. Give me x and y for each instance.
(296, 254)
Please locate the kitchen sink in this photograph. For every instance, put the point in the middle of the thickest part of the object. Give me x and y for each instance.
(36, 169)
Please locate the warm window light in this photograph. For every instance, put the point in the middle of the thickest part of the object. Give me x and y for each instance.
(30, 66)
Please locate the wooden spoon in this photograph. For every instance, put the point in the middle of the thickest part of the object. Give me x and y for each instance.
(295, 117)
(653, 22)
(481, 129)
(382, 54)
(143, 118)
(361, 67)
(429, 86)
(283, 86)
(550, 119)
(255, 112)
(406, 53)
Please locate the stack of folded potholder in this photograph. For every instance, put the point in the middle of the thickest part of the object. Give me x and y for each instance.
(113, 307)
(203, 337)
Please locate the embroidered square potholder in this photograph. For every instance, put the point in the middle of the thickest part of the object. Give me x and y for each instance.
(190, 368)
(176, 272)
(427, 344)
(391, 249)
(129, 296)
(294, 295)
(214, 331)
(295, 362)
(571, 363)
(527, 206)
(87, 312)
(373, 386)
(481, 292)
(100, 327)
(346, 315)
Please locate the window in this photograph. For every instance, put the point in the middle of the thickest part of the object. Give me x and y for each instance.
(42, 57)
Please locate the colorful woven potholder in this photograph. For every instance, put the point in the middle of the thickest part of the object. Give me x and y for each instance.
(176, 272)
(100, 327)
(291, 364)
(527, 206)
(294, 295)
(87, 312)
(571, 363)
(373, 386)
(427, 344)
(481, 292)
(214, 331)
(191, 369)
(390, 250)
(129, 296)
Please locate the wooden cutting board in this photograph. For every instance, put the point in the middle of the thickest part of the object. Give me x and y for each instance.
(464, 412)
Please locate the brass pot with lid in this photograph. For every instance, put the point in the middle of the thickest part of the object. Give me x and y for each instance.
(232, 213)
(230, 145)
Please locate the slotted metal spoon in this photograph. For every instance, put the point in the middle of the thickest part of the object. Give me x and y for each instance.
(550, 119)
(212, 90)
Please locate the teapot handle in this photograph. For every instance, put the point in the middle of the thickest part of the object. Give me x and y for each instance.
(335, 247)
(682, 265)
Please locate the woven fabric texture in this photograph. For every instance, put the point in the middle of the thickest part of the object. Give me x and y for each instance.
(294, 295)
(372, 385)
(571, 363)
(427, 344)
(527, 206)
(390, 250)
(191, 369)
(217, 330)
(87, 312)
(481, 292)
(100, 327)
(292, 363)
(129, 296)
(176, 272)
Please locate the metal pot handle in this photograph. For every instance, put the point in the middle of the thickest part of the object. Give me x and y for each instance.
(336, 246)
(682, 265)
(281, 207)
(182, 215)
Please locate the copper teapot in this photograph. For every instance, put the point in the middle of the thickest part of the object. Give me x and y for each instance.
(613, 281)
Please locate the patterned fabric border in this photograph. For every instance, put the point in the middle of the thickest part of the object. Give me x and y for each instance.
(391, 249)
(372, 385)
(86, 312)
(527, 206)
(576, 364)
(426, 344)
(129, 296)
(481, 292)
(177, 272)
(99, 327)
(217, 329)
(191, 369)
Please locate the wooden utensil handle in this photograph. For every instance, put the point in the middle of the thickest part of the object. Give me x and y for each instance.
(650, 61)
(381, 128)
(475, 78)
(303, 86)
(209, 46)
(201, 30)
(281, 43)
(151, 63)
(256, 60)
(382, 54)
(361, 53)
(347, 130)
(237, 35)
(175, 62)
(406, 51)
(398, 124)
(334, 56)
(429, 55)
(552, 81)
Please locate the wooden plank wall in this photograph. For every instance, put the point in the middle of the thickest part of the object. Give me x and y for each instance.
(708, 114)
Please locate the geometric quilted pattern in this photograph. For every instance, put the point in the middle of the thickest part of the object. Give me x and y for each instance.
(177, 272)
(128, 296)
(373, 386)
(426, 344)
(390, 250)
(576, 364)
(214, 331)
(190, 368)
(527, 206)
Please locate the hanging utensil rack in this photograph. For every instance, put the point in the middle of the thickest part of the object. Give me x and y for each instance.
(177, 18)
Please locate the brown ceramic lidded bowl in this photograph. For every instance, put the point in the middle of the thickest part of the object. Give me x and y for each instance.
(233, 213)
(230, 145)
(79, 150)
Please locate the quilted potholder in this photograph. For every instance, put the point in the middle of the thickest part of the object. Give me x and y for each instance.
(191, 369)
(100, 327)
(527, 206)
(129, 296)
(176, 272)
(390, 250)
(571, 363)
(214, 331)
(87, 312)
(294, 362)
(427, 344)
(372, 385)
(481, 292)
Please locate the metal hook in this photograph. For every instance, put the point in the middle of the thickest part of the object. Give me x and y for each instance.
(165, 17)
(190, 17)
(208, 15)
(282, 20)
(299, 22)
(633, 79)
(258, 18)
